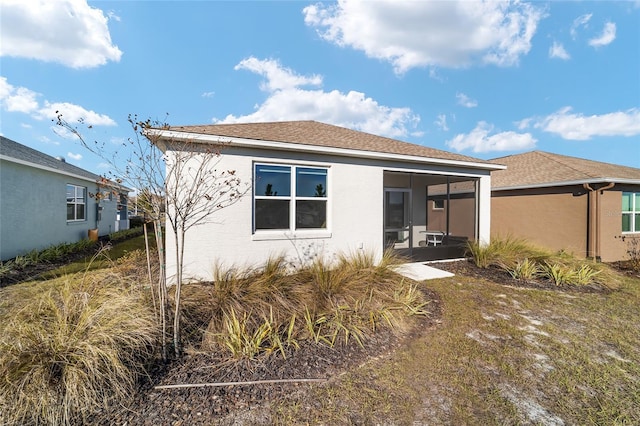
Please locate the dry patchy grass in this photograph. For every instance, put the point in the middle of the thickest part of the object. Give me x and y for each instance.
(502, 355)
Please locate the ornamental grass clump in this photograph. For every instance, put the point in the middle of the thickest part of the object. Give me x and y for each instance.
(70, 347)
(273, 308)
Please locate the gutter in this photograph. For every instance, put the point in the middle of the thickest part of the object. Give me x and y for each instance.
(620, 181)
(299, 147)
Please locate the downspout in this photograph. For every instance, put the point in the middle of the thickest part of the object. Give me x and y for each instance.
(594, 218)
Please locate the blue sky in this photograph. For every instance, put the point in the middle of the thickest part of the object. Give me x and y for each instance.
(482, 79)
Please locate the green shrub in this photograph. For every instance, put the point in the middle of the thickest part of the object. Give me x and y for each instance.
(70, 347)
(524, 270)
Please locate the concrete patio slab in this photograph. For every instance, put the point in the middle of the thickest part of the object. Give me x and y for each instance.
(419, 271)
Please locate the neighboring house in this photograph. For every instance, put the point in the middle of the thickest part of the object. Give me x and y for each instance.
(45, 201)
(318, 190)
(584, 207)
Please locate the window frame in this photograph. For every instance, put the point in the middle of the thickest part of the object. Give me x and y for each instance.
(75, 202)
(292, 199)
(634, 209)
(435, 201)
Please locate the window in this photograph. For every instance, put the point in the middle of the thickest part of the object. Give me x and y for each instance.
(76, 203)
(438, 204)
(631, 212)
(290, 197)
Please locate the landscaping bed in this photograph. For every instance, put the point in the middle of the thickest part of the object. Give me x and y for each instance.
(249, 404)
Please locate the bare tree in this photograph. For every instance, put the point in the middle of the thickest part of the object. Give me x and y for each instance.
(178, 174)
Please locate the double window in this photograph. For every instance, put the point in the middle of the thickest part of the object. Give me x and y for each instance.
(76, 203)
(289, 197)
(631, 212)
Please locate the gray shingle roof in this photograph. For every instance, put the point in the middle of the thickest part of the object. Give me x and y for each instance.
(539, 168)
(21, 152)
(15, 150)
(323, 135)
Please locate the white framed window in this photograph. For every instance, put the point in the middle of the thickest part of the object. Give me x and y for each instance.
(76, 203)
(289, 197)
(438, 204)
(631, 212)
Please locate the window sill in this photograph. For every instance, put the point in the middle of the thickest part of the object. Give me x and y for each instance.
(290, 235)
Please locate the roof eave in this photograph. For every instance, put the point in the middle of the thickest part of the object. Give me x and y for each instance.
(569, 183)
(287, 146)
(64, 172)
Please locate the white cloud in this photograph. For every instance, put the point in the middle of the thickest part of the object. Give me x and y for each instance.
(24, 100)
(574, 126)
(74, 113)
(288, 101)
(479, 140)
(581, 21)
(208, 94)
(73, 156)
(441, 122)
(69, 32)
(411, 34)
(17, 99)
(277, 77)
(607, 36)
(466, 101)
(557, 50)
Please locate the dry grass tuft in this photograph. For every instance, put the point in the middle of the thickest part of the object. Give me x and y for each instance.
(70, 347)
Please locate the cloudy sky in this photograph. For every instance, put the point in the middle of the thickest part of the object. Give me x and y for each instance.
(482, 79)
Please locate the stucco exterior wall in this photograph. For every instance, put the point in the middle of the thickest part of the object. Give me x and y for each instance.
(33, 210)
(354, 215)
(555, 218)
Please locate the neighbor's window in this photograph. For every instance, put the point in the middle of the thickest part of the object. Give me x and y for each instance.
(290, 197)
(76, 203)
(631, 212)
(438, 204)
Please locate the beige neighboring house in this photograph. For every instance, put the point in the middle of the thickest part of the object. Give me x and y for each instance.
(584, 207)
(319, 190)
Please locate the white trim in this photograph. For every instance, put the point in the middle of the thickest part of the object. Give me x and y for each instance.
(568, 183)
(299, 147)
(279, 234)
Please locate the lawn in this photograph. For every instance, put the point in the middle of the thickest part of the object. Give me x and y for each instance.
(486, 352)
(501, 355)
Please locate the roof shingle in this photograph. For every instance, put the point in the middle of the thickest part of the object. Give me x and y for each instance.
(13, 149)
(323, 135)
(539, 168)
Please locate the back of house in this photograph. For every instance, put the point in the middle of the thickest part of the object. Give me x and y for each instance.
(318, 190)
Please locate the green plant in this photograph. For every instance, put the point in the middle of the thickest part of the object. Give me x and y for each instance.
(505, 252)
(524, 270)
(584, 275)
(70, 347)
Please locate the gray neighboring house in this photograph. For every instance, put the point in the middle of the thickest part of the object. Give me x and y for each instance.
(45, 201)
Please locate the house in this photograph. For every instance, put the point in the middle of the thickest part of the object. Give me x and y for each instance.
(584, 207)
(45, 201)
(318, 190)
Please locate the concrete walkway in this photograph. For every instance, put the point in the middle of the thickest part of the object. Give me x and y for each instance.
(419, 271)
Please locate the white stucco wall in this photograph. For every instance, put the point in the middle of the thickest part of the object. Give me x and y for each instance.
(354, 215)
